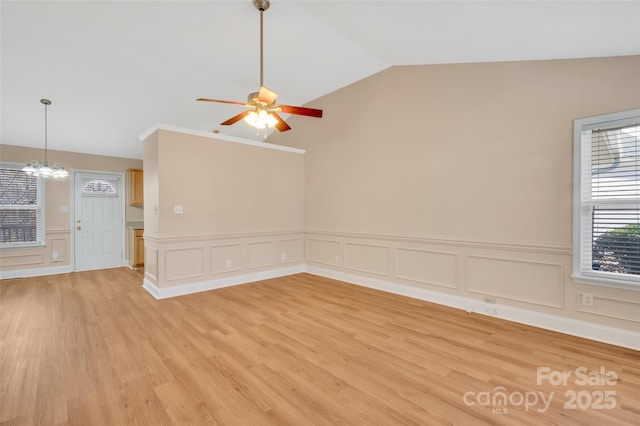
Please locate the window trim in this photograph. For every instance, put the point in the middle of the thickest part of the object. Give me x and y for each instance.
(41, 233)
(601, 278)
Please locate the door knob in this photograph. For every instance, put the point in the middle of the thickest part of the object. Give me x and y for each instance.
(78, 228)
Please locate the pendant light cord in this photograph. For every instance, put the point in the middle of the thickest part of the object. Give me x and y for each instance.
(45, 133)
(35, 168)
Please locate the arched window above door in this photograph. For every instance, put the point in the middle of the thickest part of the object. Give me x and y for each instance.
(99, 187)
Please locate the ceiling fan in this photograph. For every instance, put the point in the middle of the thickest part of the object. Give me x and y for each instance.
(263, 110)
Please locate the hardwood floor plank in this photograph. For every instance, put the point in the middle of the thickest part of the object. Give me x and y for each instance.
(94, 348)
(179, 407)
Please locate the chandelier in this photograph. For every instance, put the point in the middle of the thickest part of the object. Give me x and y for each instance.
(45, 170)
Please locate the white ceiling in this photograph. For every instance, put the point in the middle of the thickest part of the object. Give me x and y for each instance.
(113, 69)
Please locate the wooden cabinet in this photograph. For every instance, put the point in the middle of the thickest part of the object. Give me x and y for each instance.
(137, 248)
(136, 187)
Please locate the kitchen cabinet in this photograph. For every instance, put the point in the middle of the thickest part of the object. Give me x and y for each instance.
(136, 248)
(136, 187)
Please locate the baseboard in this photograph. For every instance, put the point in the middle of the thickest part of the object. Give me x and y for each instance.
(35, 272)
(587, 330)
(197, 287)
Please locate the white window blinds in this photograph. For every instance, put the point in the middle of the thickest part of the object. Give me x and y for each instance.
(607, 240)
(21, 208)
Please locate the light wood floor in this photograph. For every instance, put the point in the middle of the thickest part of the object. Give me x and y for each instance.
(93, 348)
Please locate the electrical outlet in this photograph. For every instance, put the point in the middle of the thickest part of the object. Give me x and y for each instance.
(228, 263)
(283, 256)
(489, 299)
(587, 299)
(337, 259)
(55, 256)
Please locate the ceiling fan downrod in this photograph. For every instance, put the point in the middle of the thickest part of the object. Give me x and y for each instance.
(264, 112)
(261, 5)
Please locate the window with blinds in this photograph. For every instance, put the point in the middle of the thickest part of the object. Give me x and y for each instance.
(21, 208)
(607, 199)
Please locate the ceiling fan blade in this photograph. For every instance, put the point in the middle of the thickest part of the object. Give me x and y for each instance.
(235, 118)
(267, 95)
(221, 101)
(309, 112)
(281, 124)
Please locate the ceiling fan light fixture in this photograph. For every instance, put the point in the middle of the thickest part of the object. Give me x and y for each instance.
(260, 119)
(45, 170)
(264, 111)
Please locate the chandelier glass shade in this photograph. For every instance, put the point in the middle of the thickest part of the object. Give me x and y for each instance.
(45, 169)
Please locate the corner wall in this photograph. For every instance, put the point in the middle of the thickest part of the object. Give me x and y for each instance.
(457, 179)
(242, 211)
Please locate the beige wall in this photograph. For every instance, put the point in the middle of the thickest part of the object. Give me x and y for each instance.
(458, 179)
(224, 187)
(58, 194)
(151, 184)
(243, 208)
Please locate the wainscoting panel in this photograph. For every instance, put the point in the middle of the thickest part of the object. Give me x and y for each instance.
(59, 246)
(184, 263)
(22, 259)
(612, 307)
(202, 259)
(227, 258)
(323, 251)
(525, 281)
(372, 259)
(151, 263)
(427, 267)
(524, 275)
(261, 254)
(291, 251)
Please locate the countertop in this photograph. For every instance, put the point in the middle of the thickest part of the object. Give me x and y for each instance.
(135, 225)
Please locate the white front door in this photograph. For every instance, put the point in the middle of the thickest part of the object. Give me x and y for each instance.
(98, 221)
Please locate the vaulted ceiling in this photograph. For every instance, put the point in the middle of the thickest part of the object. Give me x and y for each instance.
(113, 69)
